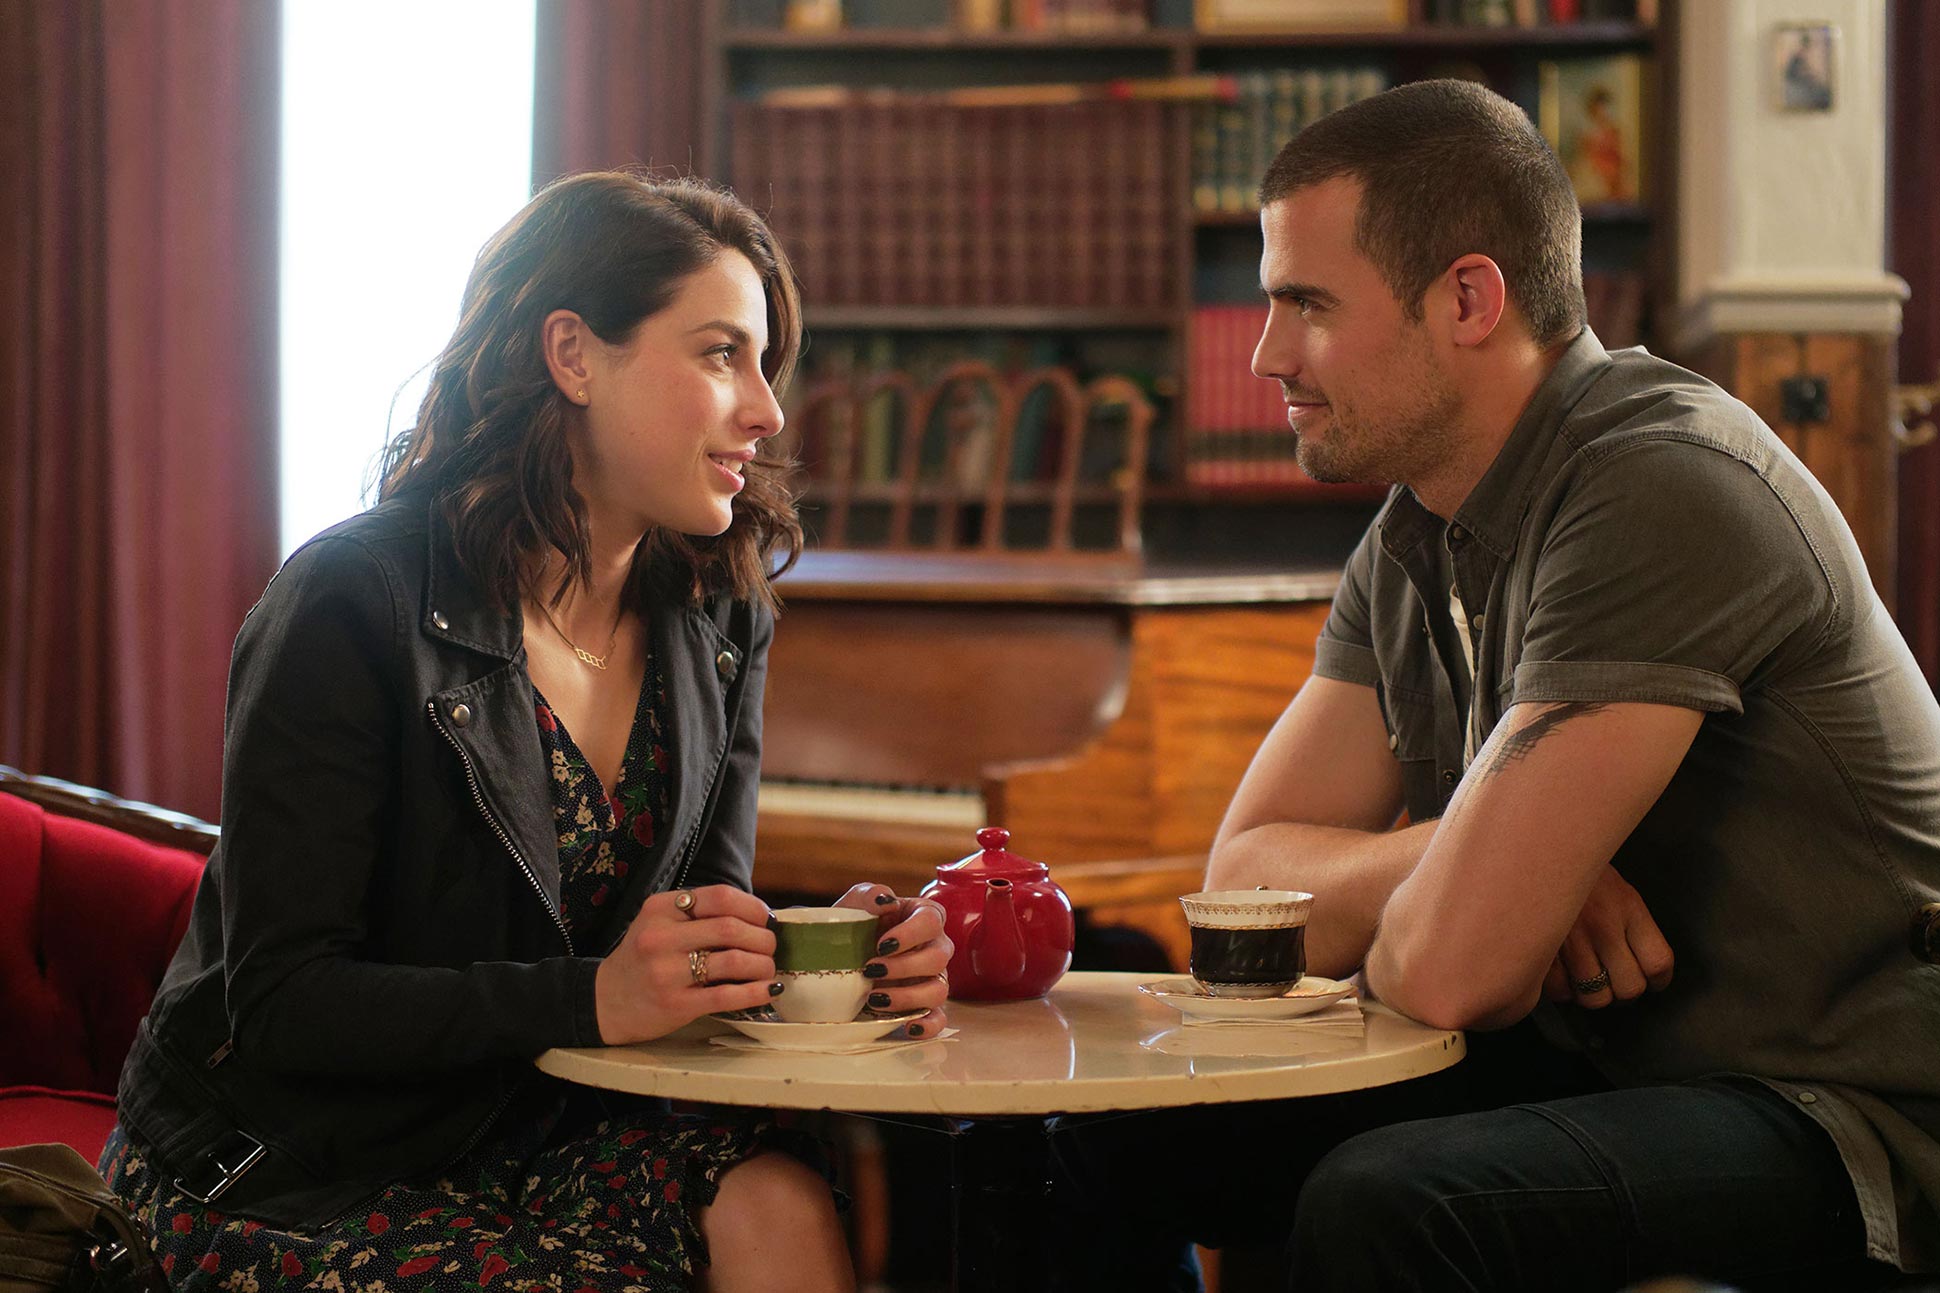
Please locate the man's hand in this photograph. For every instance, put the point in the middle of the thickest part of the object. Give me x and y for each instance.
(1613, 934)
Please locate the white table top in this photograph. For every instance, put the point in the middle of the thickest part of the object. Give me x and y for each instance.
(1095, 1043)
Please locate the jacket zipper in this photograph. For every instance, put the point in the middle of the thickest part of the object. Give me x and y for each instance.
(478, 799)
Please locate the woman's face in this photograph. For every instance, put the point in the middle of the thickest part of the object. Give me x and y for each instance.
(672, 416)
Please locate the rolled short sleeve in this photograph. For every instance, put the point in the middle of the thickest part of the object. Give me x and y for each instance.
(1345, 649)
(1672, 573)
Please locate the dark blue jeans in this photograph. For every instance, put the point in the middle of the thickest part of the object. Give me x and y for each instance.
(1526, 1172)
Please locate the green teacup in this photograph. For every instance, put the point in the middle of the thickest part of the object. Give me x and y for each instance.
(819, 955)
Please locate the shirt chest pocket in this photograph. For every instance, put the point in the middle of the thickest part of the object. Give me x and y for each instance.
(1411, 738)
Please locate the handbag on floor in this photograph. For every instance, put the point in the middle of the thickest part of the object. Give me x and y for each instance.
(63, 1231)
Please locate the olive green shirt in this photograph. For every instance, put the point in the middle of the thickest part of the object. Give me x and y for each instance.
(1642, 536)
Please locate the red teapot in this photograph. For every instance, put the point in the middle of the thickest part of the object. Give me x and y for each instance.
(1010, 921)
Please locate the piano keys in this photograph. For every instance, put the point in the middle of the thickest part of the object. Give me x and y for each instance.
(1101, 709)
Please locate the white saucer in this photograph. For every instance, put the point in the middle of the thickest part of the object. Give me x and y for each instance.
(1310, 994)
(772, 1032)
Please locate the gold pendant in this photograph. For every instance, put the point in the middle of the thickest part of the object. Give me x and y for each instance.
(598, 662)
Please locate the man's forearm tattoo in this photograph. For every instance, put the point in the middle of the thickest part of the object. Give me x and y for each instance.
(1517, 745)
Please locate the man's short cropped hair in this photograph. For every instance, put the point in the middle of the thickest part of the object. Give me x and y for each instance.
(1448, 168)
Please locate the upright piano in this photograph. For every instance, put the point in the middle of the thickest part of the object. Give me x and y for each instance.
(1100, 709)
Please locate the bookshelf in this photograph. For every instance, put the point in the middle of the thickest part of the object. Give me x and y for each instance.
(1063, 307)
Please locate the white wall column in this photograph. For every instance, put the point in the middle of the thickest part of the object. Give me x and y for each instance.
(1781, 222)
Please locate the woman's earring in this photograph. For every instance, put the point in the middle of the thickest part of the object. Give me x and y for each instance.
(580, 396)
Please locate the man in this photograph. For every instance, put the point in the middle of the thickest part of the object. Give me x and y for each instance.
(1673, 778)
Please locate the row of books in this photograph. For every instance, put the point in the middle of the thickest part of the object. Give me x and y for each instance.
(1236, 424)
(1539, 13)
(1233, 142)
(1090, 17)
(930, 205)
(1074, 17)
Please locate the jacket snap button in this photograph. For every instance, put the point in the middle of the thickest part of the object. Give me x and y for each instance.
(1806, 1097)
(461, 715)
(724, 665)
(1394, 739)
(1448, 776)
(438, 618)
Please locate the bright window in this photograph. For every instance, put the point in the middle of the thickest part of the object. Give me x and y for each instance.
(407, 140)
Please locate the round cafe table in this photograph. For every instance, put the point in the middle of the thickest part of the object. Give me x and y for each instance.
(1094, 1044)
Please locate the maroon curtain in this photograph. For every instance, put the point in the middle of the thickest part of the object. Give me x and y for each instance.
(1915, 205)
(618, 84)
(138, 139)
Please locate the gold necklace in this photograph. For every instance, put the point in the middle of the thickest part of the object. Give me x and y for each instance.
(587, 657)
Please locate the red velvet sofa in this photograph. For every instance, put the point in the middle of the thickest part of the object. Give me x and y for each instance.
(94, 896)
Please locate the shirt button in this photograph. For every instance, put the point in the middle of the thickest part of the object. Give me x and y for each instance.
(461, 715)
(1476, 623)
(724, 665)
(438, 618)
(1394, 739)
(1808, 1097)
(1448, 776)
(1456, 534)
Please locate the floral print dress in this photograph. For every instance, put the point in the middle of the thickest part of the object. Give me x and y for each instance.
(571, 1191)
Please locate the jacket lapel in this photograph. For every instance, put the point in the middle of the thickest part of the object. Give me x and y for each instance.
(489, 719)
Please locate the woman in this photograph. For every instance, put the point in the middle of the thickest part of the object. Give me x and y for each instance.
(489, 787)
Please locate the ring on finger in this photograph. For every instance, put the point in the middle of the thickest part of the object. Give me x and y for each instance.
(684, 903)
(1590, 987)
(697, 966)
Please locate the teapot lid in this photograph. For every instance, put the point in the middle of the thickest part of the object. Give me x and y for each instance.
(994, 862)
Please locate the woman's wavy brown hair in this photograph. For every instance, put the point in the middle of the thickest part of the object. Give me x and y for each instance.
(490, 440)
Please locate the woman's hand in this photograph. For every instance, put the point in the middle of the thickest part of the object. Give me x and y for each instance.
(647, 986)
(910, 970)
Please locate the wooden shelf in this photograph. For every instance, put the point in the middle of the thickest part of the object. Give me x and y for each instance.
(1433, 37)
(1425, 36)
(1594, 213)
(987, 318)
(949, 40)
(1617, 213)
(1227, 219)
(1265, 492)
(928, 493)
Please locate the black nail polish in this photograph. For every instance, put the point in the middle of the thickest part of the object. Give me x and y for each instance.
(774, 926)
(884, 899)
(916, 1030)
(880, 1000)
(777, 988)
(887, 947)
(874, 970)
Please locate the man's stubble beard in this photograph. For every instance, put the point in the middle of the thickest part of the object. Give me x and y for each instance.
(1403, 447)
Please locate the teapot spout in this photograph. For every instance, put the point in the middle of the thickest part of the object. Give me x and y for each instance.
(997, 943)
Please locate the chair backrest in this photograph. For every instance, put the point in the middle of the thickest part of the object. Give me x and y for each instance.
(1006, 442)
(90, 914)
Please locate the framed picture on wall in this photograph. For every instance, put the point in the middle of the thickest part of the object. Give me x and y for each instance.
(1592, 114)
(1802, 66)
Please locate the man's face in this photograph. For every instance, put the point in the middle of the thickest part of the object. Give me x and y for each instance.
(1366, 396)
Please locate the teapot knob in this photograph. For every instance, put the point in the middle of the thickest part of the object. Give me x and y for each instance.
(993, 837)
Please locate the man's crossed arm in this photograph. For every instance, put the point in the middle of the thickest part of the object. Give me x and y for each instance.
(1461, 922)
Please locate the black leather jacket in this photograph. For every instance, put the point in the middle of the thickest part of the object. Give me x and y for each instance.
(375, 954)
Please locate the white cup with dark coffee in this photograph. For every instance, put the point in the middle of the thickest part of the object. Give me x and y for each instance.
(1248, 943)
